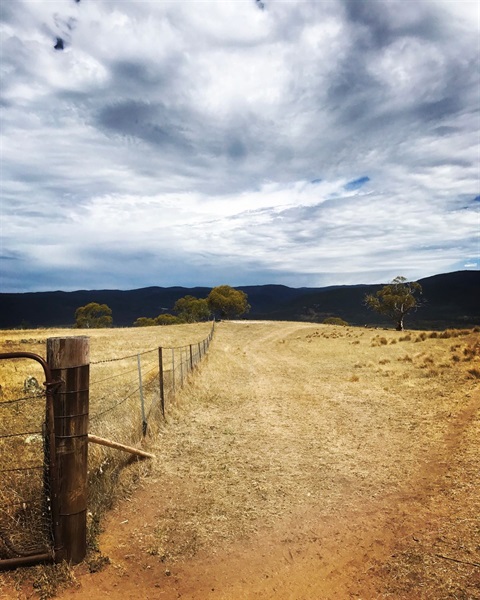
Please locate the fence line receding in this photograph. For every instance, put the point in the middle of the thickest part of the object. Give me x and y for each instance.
(49, 471)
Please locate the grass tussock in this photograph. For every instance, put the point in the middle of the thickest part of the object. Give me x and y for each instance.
(474, 373)
(41, 581)
(379, 341)
(472, 351)
(422, 337)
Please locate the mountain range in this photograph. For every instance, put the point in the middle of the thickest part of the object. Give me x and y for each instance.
(450, 300)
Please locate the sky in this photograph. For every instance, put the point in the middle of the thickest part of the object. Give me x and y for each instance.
(241, 142)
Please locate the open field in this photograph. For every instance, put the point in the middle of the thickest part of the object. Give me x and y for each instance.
(302, 461)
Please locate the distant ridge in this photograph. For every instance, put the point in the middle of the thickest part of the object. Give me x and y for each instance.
(452, 300)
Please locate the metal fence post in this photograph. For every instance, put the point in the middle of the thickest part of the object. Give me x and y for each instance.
(142, 400)
(181, 367)
(161, 381)
(173, 370)
(68, 359)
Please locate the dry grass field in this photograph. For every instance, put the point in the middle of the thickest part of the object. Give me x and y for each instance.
(300, 462)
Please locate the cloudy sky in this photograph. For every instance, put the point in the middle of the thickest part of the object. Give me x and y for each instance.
(306, 143)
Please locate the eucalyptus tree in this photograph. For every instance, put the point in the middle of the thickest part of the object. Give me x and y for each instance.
(396, 300)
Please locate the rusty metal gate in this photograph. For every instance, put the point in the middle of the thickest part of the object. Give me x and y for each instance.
(27, 455)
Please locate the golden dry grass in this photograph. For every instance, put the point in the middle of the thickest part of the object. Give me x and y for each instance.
(306, 424)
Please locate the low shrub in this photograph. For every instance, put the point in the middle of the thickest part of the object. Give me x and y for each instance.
(335, 321)
(422, 337)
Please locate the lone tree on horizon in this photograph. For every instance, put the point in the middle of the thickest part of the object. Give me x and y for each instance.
(396, 299)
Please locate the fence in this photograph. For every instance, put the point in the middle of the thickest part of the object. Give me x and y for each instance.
(45, 433)
(25, 473)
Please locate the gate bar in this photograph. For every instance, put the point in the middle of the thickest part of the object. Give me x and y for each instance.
(52, 471)
(25, 561)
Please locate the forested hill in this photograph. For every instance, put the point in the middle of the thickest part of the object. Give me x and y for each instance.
(452, 300)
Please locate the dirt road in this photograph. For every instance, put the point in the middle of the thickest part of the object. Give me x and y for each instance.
(306, 463)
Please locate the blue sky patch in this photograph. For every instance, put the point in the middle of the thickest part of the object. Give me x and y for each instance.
(356, 184)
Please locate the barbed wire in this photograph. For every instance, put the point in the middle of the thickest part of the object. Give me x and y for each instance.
(100, 414)
(99, 381)
(23, 433)
(109, 360)
(39, 396)
(30, 468)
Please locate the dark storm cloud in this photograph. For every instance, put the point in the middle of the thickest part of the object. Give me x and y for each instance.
(383, 22)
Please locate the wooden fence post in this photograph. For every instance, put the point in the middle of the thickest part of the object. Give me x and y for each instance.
(68, 359)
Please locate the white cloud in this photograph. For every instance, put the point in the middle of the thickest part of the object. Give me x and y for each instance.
(181, 143)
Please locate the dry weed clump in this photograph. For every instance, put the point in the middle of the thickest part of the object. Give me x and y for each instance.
(422, 337)
(474, 373)
(472, 351)
(378, 341)
(427, 360)
(46, 580)
(454, 333)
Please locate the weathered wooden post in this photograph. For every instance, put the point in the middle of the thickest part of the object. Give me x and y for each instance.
(68, 359)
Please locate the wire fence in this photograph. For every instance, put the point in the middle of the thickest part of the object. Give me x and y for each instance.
(129, 398)
(25, 520)
(129, 394)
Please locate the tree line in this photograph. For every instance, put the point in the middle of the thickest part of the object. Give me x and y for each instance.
(394, 300)
(223, 302)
